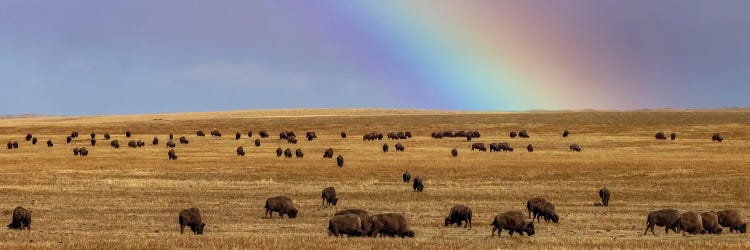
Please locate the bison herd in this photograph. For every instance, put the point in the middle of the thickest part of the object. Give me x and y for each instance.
(692, 222)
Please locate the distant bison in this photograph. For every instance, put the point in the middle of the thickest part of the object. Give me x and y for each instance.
(530, 148)
(390, 224)
(257, 142)
(406, 177)
(532, 204)
(21, 219)
(504, 147)
(263, 134)
(114, 144)
(68, 139)
(667, 218)
(83, 151)
(172, 155)
(349, 224)
(523, 134)
(15, 144)
(454, 152)
(565, 134)
(132, 144)
(660, 136)
(10, 145)
(408, 134)
(288, 153)
(604, 195)
(399, 147)
(691, 222)
(28, 137)
(128, 134)
(93, 142)
(249, 133)
(311, 136)
(575, 147)
(329, 196)
(155, 141)
(385, 147)
(75, 151)
(216, 133)
(478, 146)
(171, 144)
(459, 214)
(279, 151)
(673, 136)
(184, 140)
(240, 151)
(191, 217)
(106, 136)
(298, 153)
(34, 140)
(49, 143)
(283, 135)
(340, 161)
(237, 136)
(417, 184)
(514, 222)
(717, 137)
(282, 205)
(171, 136)
(200, 133)
(291, 140)
(141, 143)
(513, 134)
(74, 134)
(711, 222)
(93, 135)
(328, 153)
(546, 210)
(732, 219)
(343, 134)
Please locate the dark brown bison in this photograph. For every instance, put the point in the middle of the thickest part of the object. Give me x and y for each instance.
(298, 153)
(392, 135)
(417, 184)
(575, 148)
(604, 195)
(282, 205)
(711, 222)
(532, 205)
(171, 136)
(385, 147)
(478, 146)
(184, 140)
(673, 136)
(106, 136)
(667, 218)
(401, 135)
(83, 151)
(288, 153)
(530, 148)
(311, 136)
(263, 134)
(155, 141)
(514, 222)
(279, 152)
(34, 140)
(249, 133)
(329, 196)
(407, 134)
(68, 139)
(717, 137)
(93, 135)
(200, 133)
(367, 137)
(566, 133)
(128, 134)
(457, 215)
(114, 144)
(10, 145)
(291, 140)
(513, 134)
(454, 152)
(21, 219)
(237, 136)
(328, 153)
(546, 210)
(358, 212)
(283, 135)
(523, 134)
(660, 136)
(171, 144)
(15, 144)
(132, 144)
(240, 151)
(172, 155)
(74, 134)
(93, 142)
(141, 143)
(406, 176)
(75, 151)
(460, 134)
(349, 224)
(191, 217)
(291, 133)
(216, 133)
(399, 147)
(505, 147)
(28, 137)
(732, 219)
(257, 142)
(343, 134)
(390, 224)
(340, 161)
(49, 143)
(691, 222)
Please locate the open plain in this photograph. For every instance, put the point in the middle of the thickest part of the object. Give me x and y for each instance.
(129, 198)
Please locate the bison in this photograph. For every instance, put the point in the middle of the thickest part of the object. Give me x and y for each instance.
(288, 153)
(282, 205)
(575, 148)
(68, 139)
(171, 136)
(132, 144)
(478, 146)
(457, 215)
(15, 144)
(532, 204)
(171, 144)
(691, 222)
(257, 142)
(283, 135)
(328, 153)
(667, 218)
(106, 136)
(673, 136)
(604, 195)
(279, 151)
(311, 136)
(10, 145)
(237, 136)
(513, 134)
(200, 133)
(216, 133)
(349, 224)
(514, 222)
(329, 196)
(660, 136)
(340, 161)
(74, 134)
(546, 210)
(385, 147)
(390, 224)
(93, 142)
(128, 134)
(343, 134)
(711, 222)
(114, 144)
(240, 151)
(184, 140)
(298, 153)
(49, 143)
(172, 155)
(399, 147)
(249, 133)
(530, 148)
(191, 217)
(523, 134)
(732, 219)
(505, 147)
(34, 140)
(565, 134)
(93, 135)
(263, 134)
(406, 176)
(28, 137)
(417, 184)
(75, 151)
(83, 151)
(454, 152)
(717, 137)
(291, 140)
(21, 219)
(358, 212)
(155, 141)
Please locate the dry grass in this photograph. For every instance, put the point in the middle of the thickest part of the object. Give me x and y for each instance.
(129, 198)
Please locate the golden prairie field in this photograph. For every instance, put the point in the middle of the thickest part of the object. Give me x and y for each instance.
(129, 198)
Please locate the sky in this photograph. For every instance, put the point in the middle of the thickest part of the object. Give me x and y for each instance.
(90, 57)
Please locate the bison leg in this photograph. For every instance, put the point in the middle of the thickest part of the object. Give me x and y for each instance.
(468, 223)
(182, 228)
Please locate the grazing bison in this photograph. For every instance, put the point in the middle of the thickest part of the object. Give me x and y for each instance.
(282, 205)
(93, 142)
(74, 134)
(367, 137)
(478, 146)
(237, 136)
(216, 133)
(340, 161)
(93, 135)
(514, 222)
(106, 136)
(604, 195)
(49, 143)
(385, 147)
(279, 151)
(667, 218)
(240, 151)
(15, 144)
(298, 153)
(390, 224)
(575, 147)
(28, 137)
(399, 147)
(406, 177)
(291, 140)
(283, 135)
(171, 136)
(141, 143)
(417, 184)
(68, 139)
(191, 217)
(114, 144)
(132, 144)
(530, 148)
(184, 140)
(75, 151)
(532, 205)
(349, 224)
(288, 153)
(172, 155)
(454, 152)
(128, 134)
(10, 145)
(505, 147)
(249, 133)
(329, 196)
(171, 144)
(673, 136)
(358, 212)
(257, 142)
(546, 210)
(732, 219)
(513, 134)
(691, 222)
(34, 140)
(717, 137)
(311, 136)
(660, 136)
(711, 222)
(328, 153)
(343, 134)
(392, 135)
(83, 151)
(155, 141)
(459, 214)
(21, 219)
(523, 134)
(263, 134)
(566, 133)
(200, 133)
(408, 134)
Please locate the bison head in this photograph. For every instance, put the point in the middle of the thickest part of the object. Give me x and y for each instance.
(447, 220)
(554, 217)
(409, 234)
(293, 213)
(529, 229)
(198, 229)
(334, 201)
